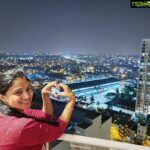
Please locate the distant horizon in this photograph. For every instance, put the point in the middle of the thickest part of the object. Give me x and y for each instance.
(79, 26)
(60, 53)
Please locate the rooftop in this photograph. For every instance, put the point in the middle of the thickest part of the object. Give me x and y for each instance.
(92, 83)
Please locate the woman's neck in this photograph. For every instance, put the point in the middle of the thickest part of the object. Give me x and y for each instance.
(1, 114)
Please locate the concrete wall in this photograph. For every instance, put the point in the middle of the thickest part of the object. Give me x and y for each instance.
(62, 146)
(94, 129)
(105, 129)
(97, 130)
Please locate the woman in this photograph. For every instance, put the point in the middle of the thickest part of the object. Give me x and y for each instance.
(24, 128)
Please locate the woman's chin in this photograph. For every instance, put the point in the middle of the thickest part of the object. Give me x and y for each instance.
(24, 107)
(27, 106)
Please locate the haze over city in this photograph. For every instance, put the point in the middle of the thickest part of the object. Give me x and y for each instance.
(76, 26)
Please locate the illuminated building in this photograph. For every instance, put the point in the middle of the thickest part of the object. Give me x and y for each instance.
(143, 88)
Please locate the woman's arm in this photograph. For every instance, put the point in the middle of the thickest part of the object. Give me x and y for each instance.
(67, 92)
(39, 114)
(42, 132)
(47, 104)
(67, 112)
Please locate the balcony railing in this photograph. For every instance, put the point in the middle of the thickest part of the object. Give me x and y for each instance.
(78, 142)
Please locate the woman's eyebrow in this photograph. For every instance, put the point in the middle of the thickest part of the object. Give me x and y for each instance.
(21, 88)
(18, 89)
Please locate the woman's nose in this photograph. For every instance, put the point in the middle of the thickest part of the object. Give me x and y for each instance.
(26, 95)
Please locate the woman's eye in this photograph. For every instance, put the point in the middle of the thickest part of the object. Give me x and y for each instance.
(18, 92)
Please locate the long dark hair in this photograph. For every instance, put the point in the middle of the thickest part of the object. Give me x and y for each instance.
(6, 80)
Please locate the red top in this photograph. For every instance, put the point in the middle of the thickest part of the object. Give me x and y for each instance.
(27, 133)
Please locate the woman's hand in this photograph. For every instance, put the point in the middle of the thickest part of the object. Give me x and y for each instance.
(47, 104)
(47, 89)
(67, 92)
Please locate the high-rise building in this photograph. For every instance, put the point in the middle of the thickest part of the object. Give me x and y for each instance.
(143, 88)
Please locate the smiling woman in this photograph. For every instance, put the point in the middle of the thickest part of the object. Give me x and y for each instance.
(15, 102)
(19, 95)
(15, 89)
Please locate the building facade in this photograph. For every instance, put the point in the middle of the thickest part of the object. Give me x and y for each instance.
(143, 87)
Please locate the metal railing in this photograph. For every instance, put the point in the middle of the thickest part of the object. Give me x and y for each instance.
(84, 142)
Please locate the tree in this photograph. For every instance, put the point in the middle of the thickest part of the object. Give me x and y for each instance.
(109, 105)
(115, 96)
(130, 92)
(84, 99)
(141, 118)
(98, 103)
(92, 98)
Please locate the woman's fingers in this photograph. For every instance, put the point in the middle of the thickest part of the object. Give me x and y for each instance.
(67, 92)
(48, 86)
(64, 87)
(51, 84)
(54, 94)
(61, 94)
(50, 92)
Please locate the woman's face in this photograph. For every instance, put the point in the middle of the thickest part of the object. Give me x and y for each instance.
(19, 95)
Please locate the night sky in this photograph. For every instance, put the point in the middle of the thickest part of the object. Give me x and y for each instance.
(73, 26)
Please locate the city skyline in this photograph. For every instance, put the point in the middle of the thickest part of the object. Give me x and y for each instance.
(102, 84)
(85, 27)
